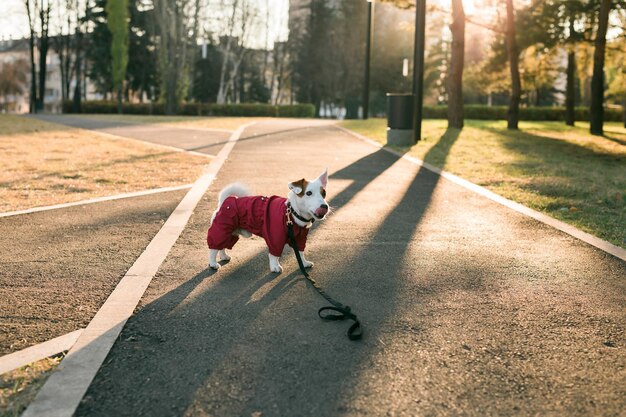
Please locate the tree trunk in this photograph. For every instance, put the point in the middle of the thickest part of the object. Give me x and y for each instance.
(516, 85)
(570, 93)
(624, 110)
(76, 100)
(33, 72)
(44, 18)
(119, 99)
(455, 72)
(596, 113)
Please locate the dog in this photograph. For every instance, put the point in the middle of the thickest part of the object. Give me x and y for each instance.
(240, 214)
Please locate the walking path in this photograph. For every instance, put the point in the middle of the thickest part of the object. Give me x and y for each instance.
(468, 306)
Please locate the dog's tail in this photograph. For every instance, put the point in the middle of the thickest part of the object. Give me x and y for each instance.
(237, 189)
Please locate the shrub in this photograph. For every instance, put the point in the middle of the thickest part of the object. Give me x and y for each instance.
(482, 112)
(197, 109)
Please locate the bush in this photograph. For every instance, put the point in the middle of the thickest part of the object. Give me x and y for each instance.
(197, 109)
(482, 112)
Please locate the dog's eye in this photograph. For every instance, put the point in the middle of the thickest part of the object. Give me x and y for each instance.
(309, 193)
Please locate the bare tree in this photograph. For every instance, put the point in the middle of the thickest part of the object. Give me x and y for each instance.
(13, 79)
(177, 25)
(31, 12)
(242, 16)
(516, 84)
(455, 71)
(38, 13)
(44, 43)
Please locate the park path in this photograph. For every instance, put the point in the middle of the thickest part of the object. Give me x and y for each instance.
(208, 141)
(57, 267)
(469, 308)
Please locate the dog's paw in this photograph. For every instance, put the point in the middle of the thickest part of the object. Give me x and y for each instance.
(224, 257)
(276, 268)
(308, 264)
(214, 266)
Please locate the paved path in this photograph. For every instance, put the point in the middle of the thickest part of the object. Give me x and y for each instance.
(469, 308)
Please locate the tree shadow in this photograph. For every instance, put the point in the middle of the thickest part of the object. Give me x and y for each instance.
(232, 344)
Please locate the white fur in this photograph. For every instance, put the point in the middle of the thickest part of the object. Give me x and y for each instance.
(305, 206)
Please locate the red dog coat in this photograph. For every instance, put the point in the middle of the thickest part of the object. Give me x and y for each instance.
(262, 216)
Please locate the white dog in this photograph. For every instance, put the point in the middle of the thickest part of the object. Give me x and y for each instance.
(239, 214)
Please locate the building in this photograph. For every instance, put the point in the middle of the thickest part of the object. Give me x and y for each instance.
(15, 55)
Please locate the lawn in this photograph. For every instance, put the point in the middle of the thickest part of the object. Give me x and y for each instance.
(19, 387)
(562, 171)
(45, 163)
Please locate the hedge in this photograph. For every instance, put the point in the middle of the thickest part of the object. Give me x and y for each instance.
(472, 111)
(198, 109)
(482, 112)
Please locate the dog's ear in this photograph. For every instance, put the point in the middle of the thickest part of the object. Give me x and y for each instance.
(324, 178)
(297, 186)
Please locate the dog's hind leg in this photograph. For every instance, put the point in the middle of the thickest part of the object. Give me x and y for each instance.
(224, 256)
(213, 259)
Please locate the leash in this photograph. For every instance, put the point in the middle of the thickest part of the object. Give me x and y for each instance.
(325, 313)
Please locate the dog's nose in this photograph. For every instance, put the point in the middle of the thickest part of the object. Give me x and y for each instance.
(321, 212)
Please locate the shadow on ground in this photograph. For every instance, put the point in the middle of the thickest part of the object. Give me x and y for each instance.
(232, 344)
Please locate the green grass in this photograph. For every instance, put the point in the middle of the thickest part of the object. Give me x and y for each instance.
(559, 170)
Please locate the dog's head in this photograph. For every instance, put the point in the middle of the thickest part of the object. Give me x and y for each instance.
(309, 197)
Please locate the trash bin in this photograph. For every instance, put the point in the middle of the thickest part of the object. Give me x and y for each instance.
(400, 119)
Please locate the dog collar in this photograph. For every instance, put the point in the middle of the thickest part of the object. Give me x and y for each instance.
(297, 216)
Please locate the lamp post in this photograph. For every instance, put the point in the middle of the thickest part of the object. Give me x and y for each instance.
(368, 48)
(418, 67)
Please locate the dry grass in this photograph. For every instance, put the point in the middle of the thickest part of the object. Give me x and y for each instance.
(562, 171)
(19, 387)
(44, 163)
(220, 123)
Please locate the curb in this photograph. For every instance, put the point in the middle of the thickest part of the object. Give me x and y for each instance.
(38, 352)
(97, 200)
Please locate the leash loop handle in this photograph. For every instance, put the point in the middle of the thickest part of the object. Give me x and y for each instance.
(355, 331)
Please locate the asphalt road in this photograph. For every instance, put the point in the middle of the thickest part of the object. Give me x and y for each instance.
(469, 308)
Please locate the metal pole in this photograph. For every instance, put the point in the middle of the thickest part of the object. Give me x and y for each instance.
(368, 47)
(418, 67)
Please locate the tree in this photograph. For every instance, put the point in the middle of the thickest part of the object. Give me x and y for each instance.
(117, 21)
(597, 81)
(177, 27)
(141, 71)
(455, 70)
(513, 54)
(12, 80)
(38, 13)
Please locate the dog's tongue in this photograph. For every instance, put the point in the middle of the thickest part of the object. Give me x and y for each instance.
(321, 212)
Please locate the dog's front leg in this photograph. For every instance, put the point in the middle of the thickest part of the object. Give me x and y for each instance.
(213, 259)
(274, 264)
(307, 264)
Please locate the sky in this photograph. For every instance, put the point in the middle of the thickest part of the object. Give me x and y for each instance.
(14, 23)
